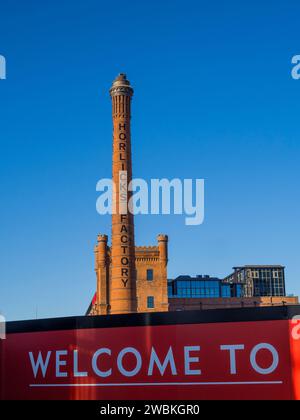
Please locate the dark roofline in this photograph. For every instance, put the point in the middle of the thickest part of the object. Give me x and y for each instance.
(258, 266)
(198, 277)
(156, 318)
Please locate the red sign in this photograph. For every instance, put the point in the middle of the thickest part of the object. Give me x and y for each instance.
(234, 360)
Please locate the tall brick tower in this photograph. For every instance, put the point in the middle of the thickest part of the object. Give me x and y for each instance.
(122, 291)
(129, 278)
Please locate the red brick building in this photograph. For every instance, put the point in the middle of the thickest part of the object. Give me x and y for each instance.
(134, 278)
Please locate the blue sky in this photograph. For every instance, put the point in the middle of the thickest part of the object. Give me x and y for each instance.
(214, 99)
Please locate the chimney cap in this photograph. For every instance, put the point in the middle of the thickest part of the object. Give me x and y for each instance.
(102, 238)
(162, 237)
(122, 76)
(121, 86)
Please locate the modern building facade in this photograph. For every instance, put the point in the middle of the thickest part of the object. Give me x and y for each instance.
(258, 280)
(204, 287)
(245, 282)
(247, 286)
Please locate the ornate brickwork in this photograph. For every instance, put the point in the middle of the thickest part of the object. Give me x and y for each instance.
(129, 278)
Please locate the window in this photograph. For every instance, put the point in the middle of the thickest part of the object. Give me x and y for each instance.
(170, 289)
(239, 291)
(150, 302)
(226, 291)
(150, 275)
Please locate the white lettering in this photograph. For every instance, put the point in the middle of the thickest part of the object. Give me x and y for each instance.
(101, 373)
(275, 362)
(188, 360)
(232, 351)
(40, 363)
(138, 361)
(169, 359)
(77, 374)
(60, 363)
